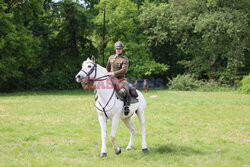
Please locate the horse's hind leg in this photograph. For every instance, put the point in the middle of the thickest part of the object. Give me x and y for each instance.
(140, 114)
(131, 127)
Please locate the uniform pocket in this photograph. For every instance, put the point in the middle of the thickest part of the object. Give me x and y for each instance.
(119, 65)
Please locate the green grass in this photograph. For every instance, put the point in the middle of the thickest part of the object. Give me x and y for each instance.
(61, 128)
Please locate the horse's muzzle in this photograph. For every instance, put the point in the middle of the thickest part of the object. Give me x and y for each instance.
(78, 78)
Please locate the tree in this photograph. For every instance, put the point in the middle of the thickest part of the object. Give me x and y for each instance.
(68, 45)
(42, 44)
(122, 24)
(210, 33)
(19, 49)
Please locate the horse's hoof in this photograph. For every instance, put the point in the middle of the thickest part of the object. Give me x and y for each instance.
(119, 152)
(103, 154)
(128, 148)
(145, 150)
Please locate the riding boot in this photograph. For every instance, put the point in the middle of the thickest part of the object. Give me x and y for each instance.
(126, 104)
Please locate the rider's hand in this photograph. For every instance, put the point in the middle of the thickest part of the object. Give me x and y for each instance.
(110, 74)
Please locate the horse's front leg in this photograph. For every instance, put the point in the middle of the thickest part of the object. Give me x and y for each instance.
(102, 120)
(115, 122)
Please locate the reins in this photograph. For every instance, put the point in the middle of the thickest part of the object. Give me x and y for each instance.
(103, 108)
(94, 68)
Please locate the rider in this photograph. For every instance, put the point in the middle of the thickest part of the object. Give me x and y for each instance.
(117, 67)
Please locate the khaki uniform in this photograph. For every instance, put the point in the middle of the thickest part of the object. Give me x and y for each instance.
(118, 64)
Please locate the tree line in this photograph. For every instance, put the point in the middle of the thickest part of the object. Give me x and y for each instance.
(43, 43)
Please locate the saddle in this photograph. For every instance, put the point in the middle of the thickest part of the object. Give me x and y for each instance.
(132, 99)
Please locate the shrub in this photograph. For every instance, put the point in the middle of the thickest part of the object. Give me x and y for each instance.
(184, 82)
(209, 86)
(245, 85)
(187, 82)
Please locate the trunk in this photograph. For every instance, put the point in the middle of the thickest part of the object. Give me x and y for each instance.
(213, 71)
(73, 45)
(235, 85)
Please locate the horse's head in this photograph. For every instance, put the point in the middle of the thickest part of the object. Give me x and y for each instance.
(88, 71)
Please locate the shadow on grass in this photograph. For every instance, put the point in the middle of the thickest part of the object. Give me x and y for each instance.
(176, 150)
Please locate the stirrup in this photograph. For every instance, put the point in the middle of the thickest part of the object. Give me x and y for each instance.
(126, 110)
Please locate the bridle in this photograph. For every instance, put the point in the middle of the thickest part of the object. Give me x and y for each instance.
(90, 71)
(94, 68)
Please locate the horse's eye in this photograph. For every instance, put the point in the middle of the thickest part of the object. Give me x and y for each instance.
(89, 66)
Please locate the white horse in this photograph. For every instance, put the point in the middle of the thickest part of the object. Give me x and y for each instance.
(109, 106)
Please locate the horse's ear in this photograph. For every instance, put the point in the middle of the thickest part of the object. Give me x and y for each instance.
(93, 58)
(88, 59)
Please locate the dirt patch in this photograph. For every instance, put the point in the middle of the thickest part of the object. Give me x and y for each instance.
(153, 96)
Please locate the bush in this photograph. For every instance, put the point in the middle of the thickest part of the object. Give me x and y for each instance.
(209, 86)
(184, 82)
(245, 85)
(187, 82)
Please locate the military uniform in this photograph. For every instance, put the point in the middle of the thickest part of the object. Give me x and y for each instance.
(118, 64)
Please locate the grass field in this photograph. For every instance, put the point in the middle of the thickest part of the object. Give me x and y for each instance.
(183, 129)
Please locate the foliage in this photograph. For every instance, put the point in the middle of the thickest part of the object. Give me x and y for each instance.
(43, 42)
(212, 34)
(122, 24)
(245, 85)
(187, 82)
(184, 82)
(68, 46)
(147, 69)
(19, 50)
(212, 86)
(42, 47)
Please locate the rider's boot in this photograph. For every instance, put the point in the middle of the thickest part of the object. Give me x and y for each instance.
(126, 104)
